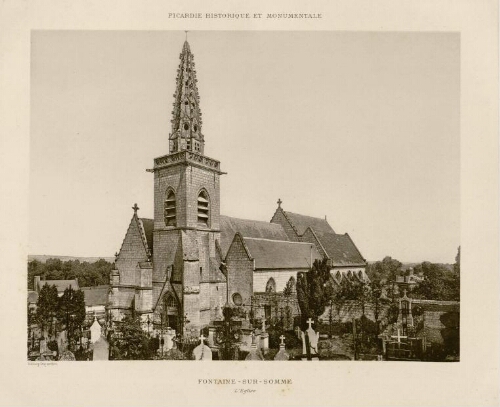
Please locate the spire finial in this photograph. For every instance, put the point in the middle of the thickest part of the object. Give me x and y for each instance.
(135, 208)
(186, 34)
(279, 202)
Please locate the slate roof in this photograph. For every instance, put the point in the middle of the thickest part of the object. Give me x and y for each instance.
(341, 249)
(61, 285)
(95, 296)
(302, 222)
(275, 254)
(147, 225)
(248, 228)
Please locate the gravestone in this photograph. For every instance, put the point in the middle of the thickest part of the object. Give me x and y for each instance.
(264, 337)
(95, 331)
(169, 339)
(101, 349)
(282, 355)
(313, 341)
(202, 351)
(255, 353)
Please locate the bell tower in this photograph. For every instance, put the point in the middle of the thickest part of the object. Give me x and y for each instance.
(186, 212)
(186, 116)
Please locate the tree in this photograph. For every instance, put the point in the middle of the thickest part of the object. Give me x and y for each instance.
(71, 311)
(314, 291)
(129, 341)
(46, 307)
(439, 283)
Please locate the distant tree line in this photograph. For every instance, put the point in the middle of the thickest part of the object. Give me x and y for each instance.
(88, 274)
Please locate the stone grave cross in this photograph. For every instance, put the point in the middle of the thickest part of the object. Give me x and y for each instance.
(399, 337)
(282, 337)
(202, 338)
(310, 322)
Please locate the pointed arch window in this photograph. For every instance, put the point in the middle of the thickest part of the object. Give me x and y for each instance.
(203, 209)
(170, 209)
(271, 286)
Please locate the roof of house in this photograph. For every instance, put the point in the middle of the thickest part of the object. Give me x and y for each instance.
(248, 228)
(95, 295)
(341, 249)
(61, 285)
(302, 222)
(275, 254)
(147, 225)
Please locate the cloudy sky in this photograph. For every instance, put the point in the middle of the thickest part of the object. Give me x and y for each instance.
(360, 127)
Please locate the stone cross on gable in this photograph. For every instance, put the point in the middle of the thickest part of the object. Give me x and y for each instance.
(282, 337)
(310, 322)
(135, 208)
(279, 202)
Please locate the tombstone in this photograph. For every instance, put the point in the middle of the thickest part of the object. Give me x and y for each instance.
(202, 351)
(61, 341)
(211, 335)
(298, 332)
(313, 341)
(169, 339)
(219, 316)
(101, 349)
(67, 356)
(43, 346)
(282, 355)
(255, 353)
(95, 331)
(264, 337)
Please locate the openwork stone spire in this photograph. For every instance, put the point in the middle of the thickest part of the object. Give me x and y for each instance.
(186, 116)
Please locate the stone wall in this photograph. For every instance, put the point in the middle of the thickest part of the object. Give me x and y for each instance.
(280, 219)
(281, 278)
(239, 271)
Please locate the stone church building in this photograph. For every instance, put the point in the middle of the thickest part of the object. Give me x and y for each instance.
(181, 267)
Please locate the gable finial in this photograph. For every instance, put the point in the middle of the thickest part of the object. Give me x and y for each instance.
(135, 208)
(279, 202)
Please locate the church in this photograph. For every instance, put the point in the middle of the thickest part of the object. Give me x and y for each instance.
(181, 267)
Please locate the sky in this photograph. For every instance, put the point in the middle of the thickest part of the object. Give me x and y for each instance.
(361, 127)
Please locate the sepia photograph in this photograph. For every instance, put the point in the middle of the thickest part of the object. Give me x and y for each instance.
(244, 195)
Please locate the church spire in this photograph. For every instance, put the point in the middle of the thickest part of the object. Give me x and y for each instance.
(186, 116)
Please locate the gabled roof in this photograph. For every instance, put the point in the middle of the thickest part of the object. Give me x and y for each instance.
(275, 254)
(302, 222)
(147, 227)
(248, 228)
(341, 249)
(95, 296)
(61, 285)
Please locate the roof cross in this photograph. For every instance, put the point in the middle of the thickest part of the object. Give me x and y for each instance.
(135, 208)
(310, 322)
(279, 202)
(282, 337)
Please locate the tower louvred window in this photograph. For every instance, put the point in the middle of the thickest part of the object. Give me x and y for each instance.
(170, 209)
(203, 208)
